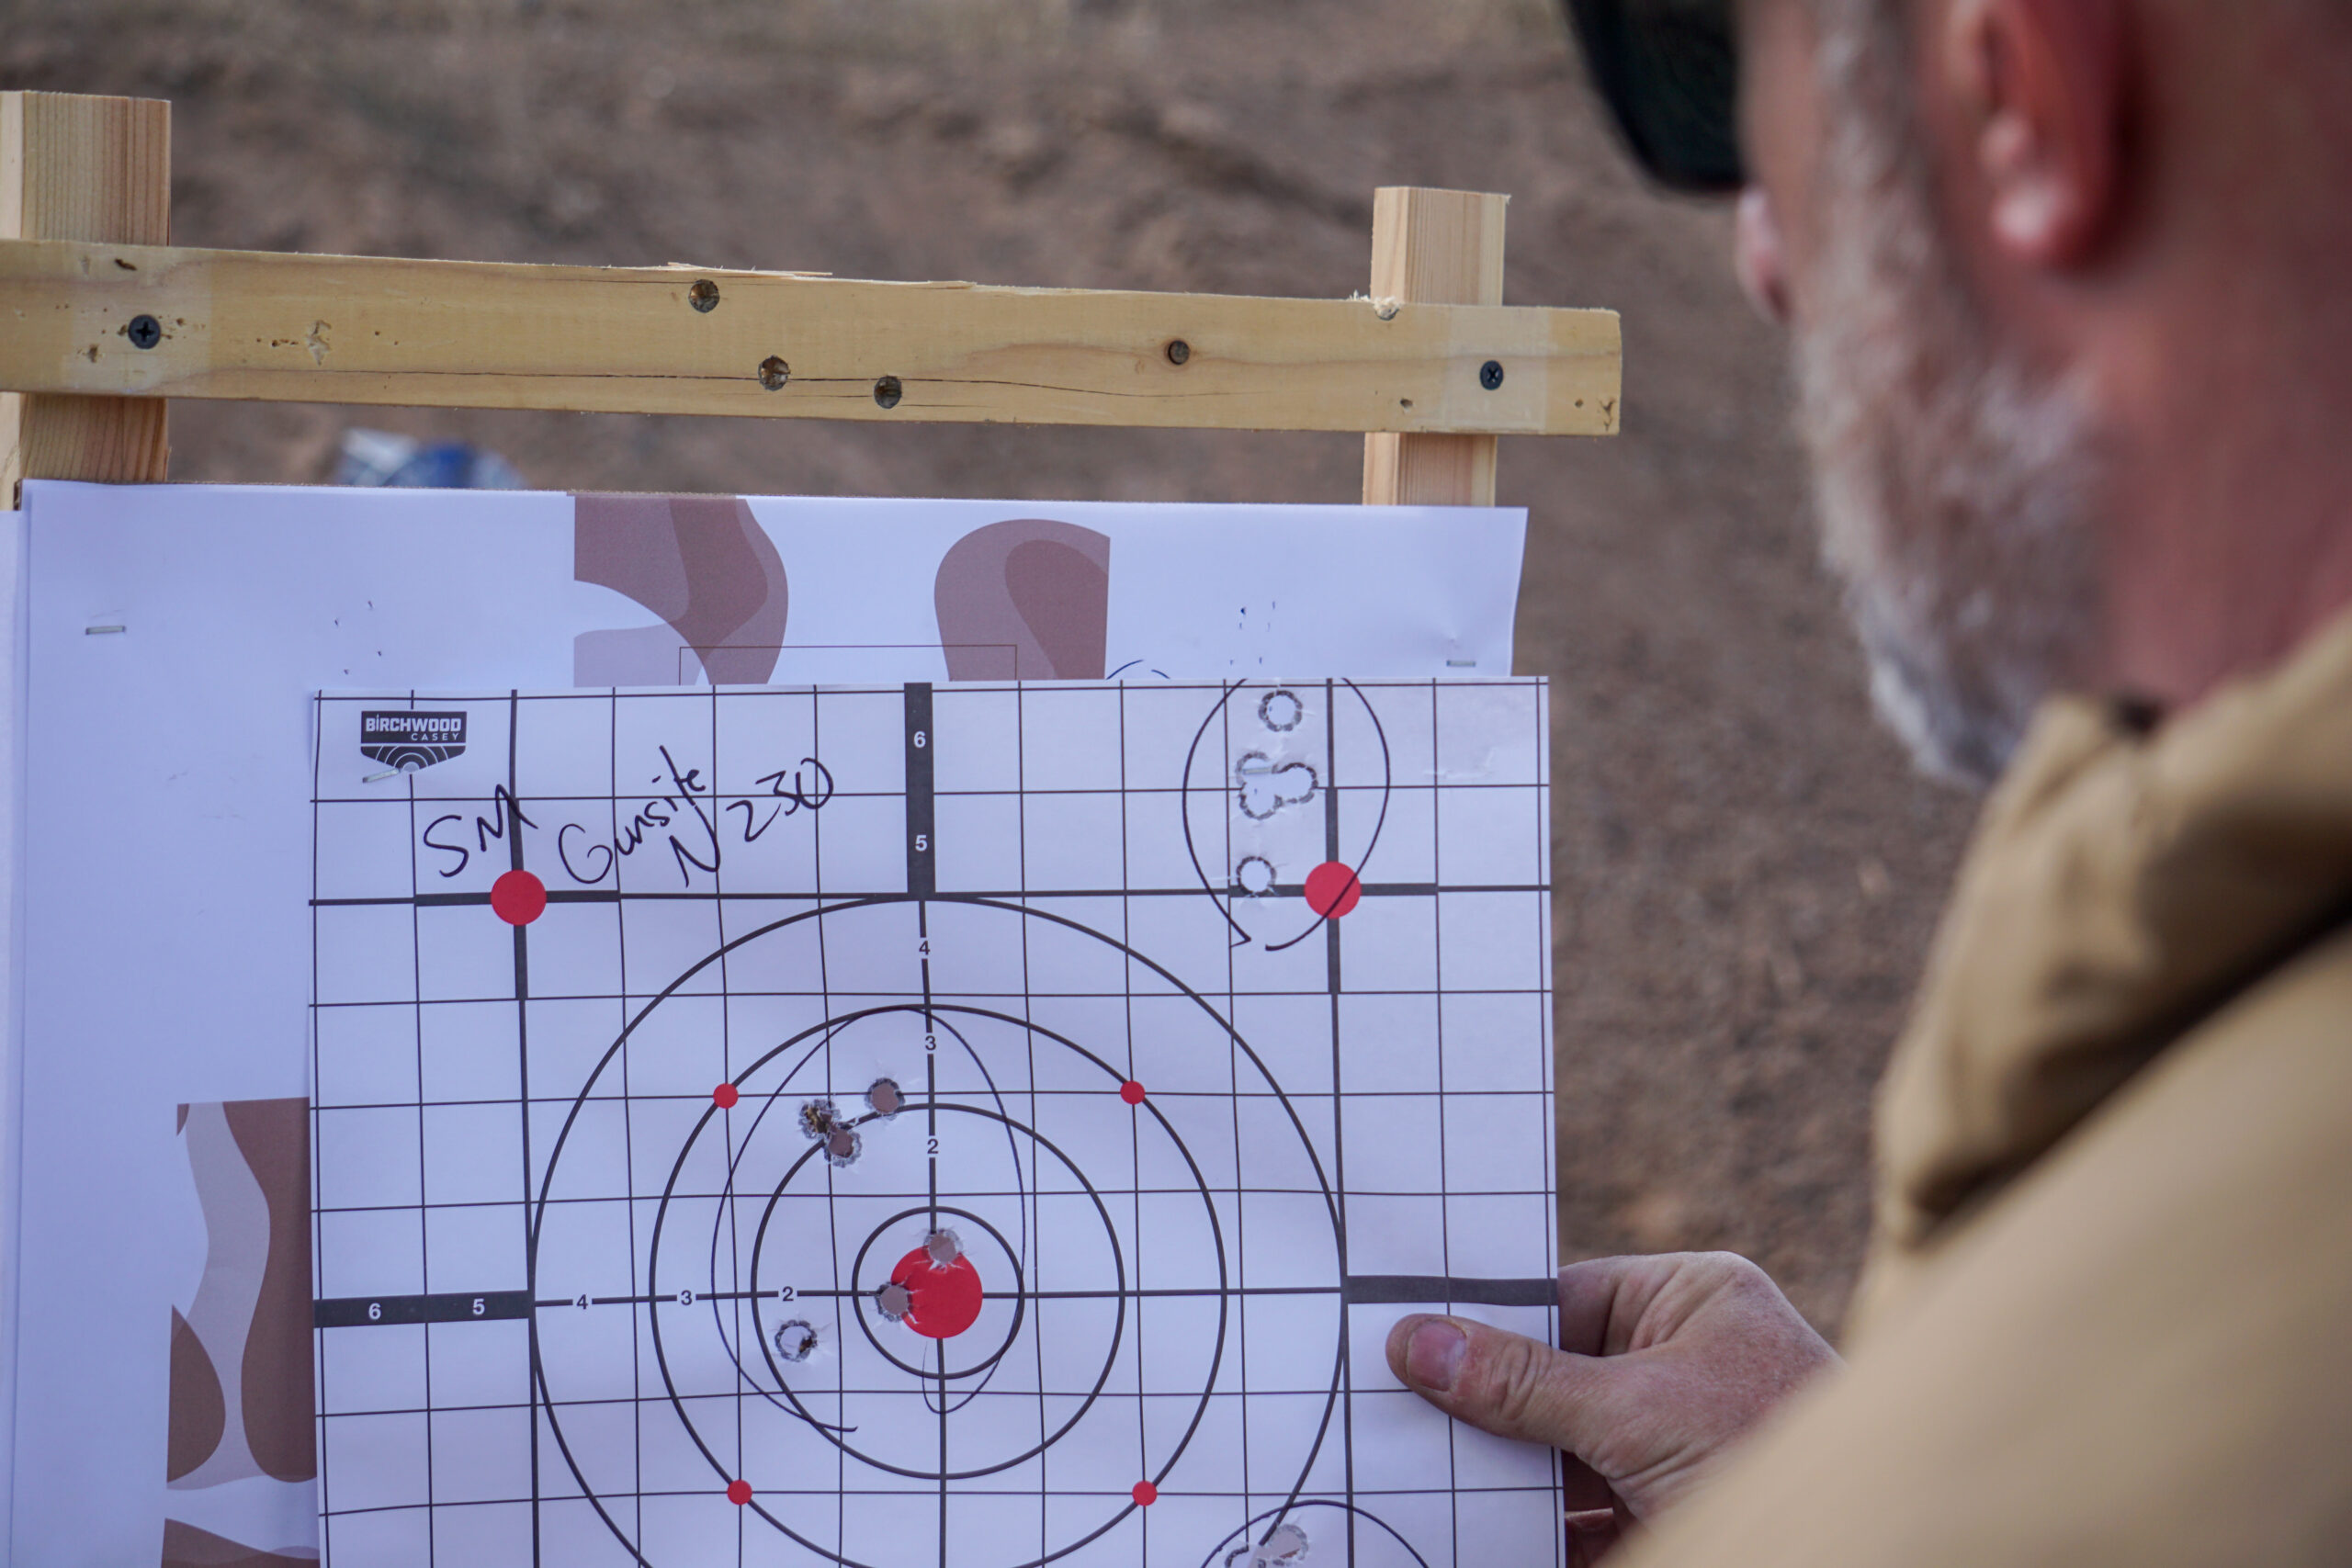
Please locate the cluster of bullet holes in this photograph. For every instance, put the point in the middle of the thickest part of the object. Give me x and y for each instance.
(1284, 1545)
(1265, 788)
(822, 1121)
(942, 1247)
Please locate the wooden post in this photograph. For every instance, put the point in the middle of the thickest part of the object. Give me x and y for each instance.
(1433, 247)
(74, 168)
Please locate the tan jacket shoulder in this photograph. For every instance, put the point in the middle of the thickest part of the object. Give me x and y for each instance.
(2108, 1317)
(2142, 1354)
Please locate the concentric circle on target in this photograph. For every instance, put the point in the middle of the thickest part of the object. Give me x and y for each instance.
(1081, 1209)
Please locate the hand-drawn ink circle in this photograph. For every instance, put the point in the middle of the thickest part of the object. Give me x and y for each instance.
(715, 1296)
(1332, 889)
(945, 1300)
(518, 897)
(725, 1096)
(1224, 780)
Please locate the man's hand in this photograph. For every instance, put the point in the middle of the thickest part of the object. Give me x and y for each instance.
(1665, 1364)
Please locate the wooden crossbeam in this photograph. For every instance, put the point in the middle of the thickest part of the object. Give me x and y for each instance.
(154, 322)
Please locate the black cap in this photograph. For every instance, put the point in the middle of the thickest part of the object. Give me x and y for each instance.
(1669, 72)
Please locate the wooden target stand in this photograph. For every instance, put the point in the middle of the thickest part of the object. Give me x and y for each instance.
(102, 321)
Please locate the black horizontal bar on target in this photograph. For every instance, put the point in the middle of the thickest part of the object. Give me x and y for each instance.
(464, 1306)
(1438, 1290)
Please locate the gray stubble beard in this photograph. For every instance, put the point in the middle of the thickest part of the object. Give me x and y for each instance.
(1954, 485)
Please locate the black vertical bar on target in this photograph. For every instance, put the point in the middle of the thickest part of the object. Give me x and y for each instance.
(523, 1089)
(922, 876)
(1339, 1145)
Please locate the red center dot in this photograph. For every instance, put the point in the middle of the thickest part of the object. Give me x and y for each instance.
(518, 897)
(942, 1303)
(1146, 1493)
(725, 1097)
(739, 1493)
(1132, 1092)
(1332, 889)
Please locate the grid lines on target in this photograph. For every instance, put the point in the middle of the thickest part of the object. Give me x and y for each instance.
(981, 1125)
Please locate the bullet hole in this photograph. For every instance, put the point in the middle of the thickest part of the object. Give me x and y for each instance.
(1284, 1546)
(842, 1147)
(1267, 786)
(942, 1247)
(885, 1097)
(819, 1117)
(702, 296)
(894, 1301)
(1280, 711)
(1255, 877)
(795, 1340)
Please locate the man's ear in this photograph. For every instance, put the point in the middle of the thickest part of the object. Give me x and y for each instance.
(2039, 90)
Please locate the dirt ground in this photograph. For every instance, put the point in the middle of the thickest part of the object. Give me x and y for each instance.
(1748, 871)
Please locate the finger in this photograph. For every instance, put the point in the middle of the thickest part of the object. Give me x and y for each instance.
(1600, 1292)
(1603, 1301)
(1503, 1383)
(1592, 1535)
(1583, 1488)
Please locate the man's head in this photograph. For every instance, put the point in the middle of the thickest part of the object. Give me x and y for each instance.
(2067, 285)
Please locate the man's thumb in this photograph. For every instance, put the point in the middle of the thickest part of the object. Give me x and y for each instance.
(1501, 1382)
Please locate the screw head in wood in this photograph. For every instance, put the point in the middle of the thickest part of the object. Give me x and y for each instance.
(702, 296)
(1179, 351)
(887, 392)
(774, 373)
(145, 332)
(1490, 374)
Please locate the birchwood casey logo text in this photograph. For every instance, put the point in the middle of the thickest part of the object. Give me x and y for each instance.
(407, 741)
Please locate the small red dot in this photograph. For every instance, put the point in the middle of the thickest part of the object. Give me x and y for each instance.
(1146, 1493)
(1332, 889)
(739, 1493)
(1132, 1092)
(518, 897)
(725, 1097)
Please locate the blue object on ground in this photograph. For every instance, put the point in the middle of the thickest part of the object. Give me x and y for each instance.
(380, 457)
